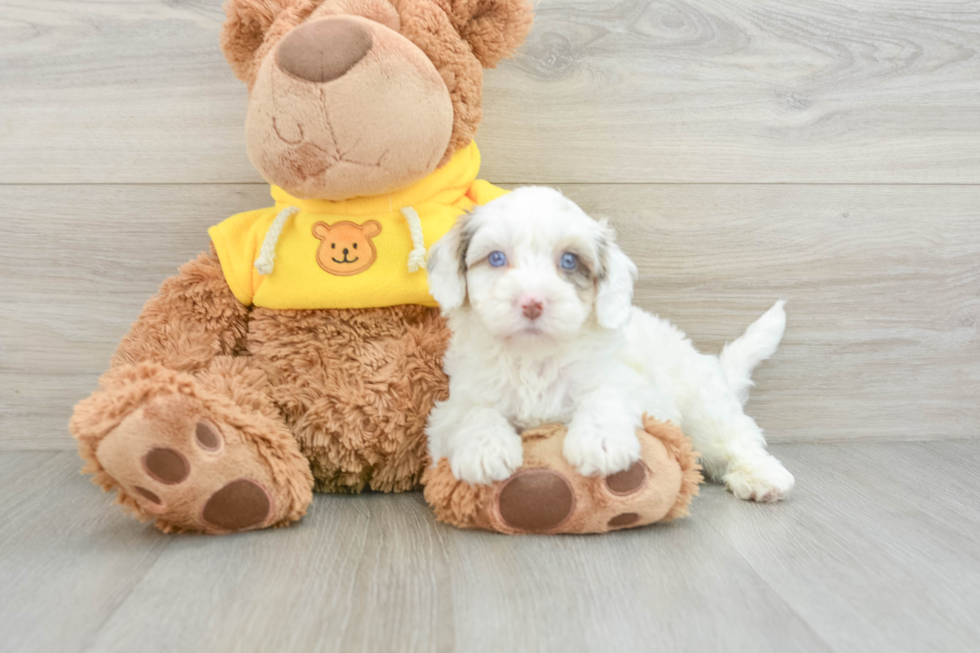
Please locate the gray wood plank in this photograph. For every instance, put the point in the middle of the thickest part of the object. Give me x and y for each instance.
(669, 587)
(358, 574)
(862, 562)
(626, 91)
(745, 91)
(881, 282)
(68, 556)
(939, 479)
(853, 561)
(376, 573)
(115, 92)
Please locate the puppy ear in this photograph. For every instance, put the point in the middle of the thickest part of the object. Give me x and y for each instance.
(617, 273)
(493, 28)
(446, 266)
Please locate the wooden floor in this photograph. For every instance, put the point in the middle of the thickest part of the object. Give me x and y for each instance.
(823, 152)
(871, 554)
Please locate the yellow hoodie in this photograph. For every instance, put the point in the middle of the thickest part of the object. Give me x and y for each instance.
(360, 253)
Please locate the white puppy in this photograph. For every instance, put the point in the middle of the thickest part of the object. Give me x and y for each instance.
(539, 299)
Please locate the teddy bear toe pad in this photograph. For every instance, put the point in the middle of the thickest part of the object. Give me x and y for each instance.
(238, 505)
(187, 471)
(629, 480)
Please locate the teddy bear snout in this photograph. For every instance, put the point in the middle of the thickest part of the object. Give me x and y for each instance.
(324, 50)
(344, 106)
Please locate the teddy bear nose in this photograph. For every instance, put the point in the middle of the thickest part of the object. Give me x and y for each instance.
(324, 50)
(345, 251)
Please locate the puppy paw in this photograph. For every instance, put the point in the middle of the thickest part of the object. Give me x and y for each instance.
(601, 451)
(488, 455)
(762, 479)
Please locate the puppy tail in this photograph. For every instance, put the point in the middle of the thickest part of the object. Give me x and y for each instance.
(758, 343)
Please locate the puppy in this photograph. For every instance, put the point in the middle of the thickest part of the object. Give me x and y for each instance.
(539, 300)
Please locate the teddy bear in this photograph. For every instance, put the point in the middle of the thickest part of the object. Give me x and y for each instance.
(303, 350)
(276, 363)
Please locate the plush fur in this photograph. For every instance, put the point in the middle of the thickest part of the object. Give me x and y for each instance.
(536, 342)
(249, 409)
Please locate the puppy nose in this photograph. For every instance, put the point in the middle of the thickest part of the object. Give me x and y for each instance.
(324, 50)
(345, 251)
(532, 308)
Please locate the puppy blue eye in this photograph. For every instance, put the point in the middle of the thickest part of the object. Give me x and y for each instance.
(569, 261)
(497, 259)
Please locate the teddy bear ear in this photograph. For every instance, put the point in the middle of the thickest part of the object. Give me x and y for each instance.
(321, 230)
(371, 228)
(493, 28)
(246, 24)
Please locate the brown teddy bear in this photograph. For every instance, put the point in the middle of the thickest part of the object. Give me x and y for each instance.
(271, 366)
(304, 351)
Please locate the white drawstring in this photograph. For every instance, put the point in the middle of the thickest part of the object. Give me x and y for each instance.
(267, 255)
(416, 258)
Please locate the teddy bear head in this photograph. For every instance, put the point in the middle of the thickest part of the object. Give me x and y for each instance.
(351, 98)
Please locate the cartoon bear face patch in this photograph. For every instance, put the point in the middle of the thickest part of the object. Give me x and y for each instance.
(346, 248)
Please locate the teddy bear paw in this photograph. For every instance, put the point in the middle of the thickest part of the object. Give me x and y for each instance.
(548, 495)
(190, 471)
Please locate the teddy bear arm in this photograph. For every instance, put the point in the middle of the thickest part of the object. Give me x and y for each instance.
(193, 318)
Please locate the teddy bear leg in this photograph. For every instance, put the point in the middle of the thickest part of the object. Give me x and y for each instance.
(177, 450)
(182, 427)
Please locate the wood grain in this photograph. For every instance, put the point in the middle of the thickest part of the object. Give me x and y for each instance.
(68, 557)
(883, 286)
(869, 91)
(639, 590)
(868, 563)
(868, 554)
(361, 575)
